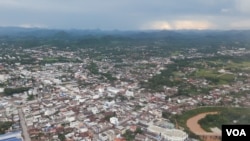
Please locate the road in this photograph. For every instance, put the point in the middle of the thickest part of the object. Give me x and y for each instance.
(23, 124)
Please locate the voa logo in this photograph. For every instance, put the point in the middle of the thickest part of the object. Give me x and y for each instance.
(236, 132)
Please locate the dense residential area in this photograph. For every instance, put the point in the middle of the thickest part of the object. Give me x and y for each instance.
(116, 88)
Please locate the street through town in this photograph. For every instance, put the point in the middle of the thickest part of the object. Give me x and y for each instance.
(24, 127)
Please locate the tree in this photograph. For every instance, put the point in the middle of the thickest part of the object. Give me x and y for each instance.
(129, 136)
(11, 91)
(61, 137)
(138, 130)
(30, 97)
(5, 126)
(93, 68)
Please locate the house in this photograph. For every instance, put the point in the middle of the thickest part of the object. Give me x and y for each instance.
(103, 137)
(129, 93)
(113, 90)
(121, 129)
(119, 139)
(107, 135)
(108, 104)
(114, 120)
(94, 110)
(47, 103)
(140, 137)
(49, 111)
(133, 128)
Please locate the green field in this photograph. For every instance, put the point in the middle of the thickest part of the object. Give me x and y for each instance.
(215, 77)
(175, 53)
(231, 65)
(178, 74)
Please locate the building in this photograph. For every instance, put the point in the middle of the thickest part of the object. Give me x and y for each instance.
(14, 136)
(168, 134)
(114, 120)
(113, 90)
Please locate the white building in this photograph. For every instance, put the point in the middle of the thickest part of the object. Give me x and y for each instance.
(103, 137)
(169, 134)
(108, 104)
(3, 77)
(49, 112)
(94, 110)
(83, 129)
(96, 96)
(113, 90)
(129, 93)
(70, 118)
(114, 120)
(1, 89)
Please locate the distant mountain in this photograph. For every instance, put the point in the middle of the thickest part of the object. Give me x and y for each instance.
(146, 34)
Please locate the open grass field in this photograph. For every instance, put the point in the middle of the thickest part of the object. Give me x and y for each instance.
(214, 76)
(232, 66)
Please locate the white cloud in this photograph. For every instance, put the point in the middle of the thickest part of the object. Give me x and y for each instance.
(32, 26)
(190, 24)
(179, 24)
(157, 25)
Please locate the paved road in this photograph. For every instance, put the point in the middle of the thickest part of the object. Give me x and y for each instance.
(24, 127)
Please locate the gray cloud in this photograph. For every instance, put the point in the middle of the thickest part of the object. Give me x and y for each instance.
(126, 14)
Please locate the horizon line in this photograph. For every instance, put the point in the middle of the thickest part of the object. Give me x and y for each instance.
(121, 30)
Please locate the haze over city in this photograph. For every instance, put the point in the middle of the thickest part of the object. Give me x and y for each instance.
(126, 15)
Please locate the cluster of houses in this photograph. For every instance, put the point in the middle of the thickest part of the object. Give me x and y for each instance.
(71, 103)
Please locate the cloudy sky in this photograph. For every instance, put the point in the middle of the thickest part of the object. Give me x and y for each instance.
(126, 14)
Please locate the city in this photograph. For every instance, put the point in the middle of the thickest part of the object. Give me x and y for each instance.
(63, 94)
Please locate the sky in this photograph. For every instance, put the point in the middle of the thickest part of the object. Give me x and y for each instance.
(126, 14)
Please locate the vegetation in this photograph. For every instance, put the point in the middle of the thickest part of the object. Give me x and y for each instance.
(93, 68)
(61, 137)
(83, 83)
(157, 82)
(5, 126)
(230, 116)
(2, 85)
(130, 136)
(122, 97)
(30, 97)
(226, 116)
(215, 77)
(11, 91)
(109, 76)
(206, 69)
(137, 107)
(51, 60)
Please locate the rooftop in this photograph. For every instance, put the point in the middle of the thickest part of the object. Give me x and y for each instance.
(14, 136)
